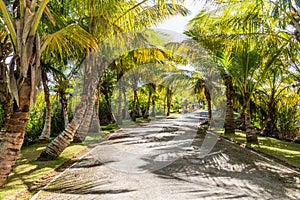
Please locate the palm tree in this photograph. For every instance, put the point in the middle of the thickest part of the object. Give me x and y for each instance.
(270, 92)
(21, 24)
(242, 33)
(103, 21)
(45, 135)
(5, 97)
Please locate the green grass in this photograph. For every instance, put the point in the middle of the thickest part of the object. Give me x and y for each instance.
(27, 169)
(283, 150)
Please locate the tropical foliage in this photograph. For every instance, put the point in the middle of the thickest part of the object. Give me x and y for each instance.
(67, 67)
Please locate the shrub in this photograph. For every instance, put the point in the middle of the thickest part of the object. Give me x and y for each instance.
(35, 123)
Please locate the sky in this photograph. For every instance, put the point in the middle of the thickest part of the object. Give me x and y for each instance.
(178, 23)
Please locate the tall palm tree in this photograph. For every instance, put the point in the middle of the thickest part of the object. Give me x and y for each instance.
(241, 33)
(45, 135)
(21, 22)
(104, 20)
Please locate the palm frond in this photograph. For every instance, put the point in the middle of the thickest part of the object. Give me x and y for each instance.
(71, 41)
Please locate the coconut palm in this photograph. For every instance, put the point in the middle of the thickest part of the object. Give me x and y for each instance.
(21, 22)
(241, 35)
(45, 135)
(104, 20)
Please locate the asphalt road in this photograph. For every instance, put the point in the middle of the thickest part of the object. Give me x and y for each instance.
(172, 159)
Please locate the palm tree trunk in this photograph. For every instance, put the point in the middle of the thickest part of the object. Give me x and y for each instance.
(153, 102)
(270, 126)
(134, 109)
(169, 101)
(13, 131)
(208, 100)
(125, 103)
(62, 141)
(229, 124)
(95, 125)
(45, 136)
(146, 114)
(138, 106)
(153, 114)
(165, 105)
(119, 115)
(250, 131)
(5, 97)
(83, 129)
(64, 105)
(108, 104)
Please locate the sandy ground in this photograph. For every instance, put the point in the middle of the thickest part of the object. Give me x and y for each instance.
(172, 159)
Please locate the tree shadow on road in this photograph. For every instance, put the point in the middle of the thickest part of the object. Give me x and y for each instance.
(229, 171)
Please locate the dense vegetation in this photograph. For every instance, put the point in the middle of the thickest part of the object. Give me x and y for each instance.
(52, 89)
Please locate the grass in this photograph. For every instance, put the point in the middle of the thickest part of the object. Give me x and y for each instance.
(288, 152)
(27, 169)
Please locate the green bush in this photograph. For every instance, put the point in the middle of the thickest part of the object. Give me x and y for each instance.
(57, 118)
(35, 123)
(142, 106)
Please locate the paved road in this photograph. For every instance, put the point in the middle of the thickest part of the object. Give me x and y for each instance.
(171, 159)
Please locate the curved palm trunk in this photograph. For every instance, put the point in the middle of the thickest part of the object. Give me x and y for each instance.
(250, 131)
(58, 145)
(45, 136)
(83, 129)
(62, 141)
(13, 131)
(229, 124)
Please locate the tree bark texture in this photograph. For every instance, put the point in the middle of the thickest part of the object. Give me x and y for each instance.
(13, 131)
(251, 136)
(45, 136)
(229, 124)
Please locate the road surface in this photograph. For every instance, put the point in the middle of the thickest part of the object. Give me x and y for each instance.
(172, 159)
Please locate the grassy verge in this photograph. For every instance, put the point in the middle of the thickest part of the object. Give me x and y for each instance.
(28, 170)
(288, 152)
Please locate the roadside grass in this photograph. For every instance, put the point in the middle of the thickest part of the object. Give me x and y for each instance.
(288, 152)
(28, 170)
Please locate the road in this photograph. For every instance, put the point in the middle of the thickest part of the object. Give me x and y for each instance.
(172, 159)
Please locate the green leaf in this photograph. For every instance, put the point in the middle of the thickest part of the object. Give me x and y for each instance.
(297, 3)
